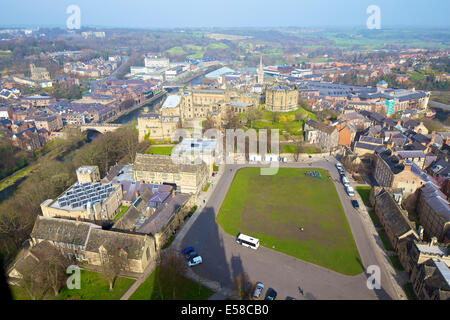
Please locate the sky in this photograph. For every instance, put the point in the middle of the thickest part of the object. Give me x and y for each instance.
(226, 13)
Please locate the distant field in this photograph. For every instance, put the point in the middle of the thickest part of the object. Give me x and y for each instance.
(291, 200)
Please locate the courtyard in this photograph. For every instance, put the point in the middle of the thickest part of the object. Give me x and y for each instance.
(275, 208)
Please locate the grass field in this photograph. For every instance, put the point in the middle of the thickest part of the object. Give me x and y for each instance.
(160, 150)
(364, 192)
(94, 286)
(291, 200)
(123, 209)
(155, 287)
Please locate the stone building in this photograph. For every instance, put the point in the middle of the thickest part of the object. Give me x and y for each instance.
(155, 127)
(89, 174)
(393, 218)
(432, 281)
(86, 199)
(88, 243)
(326, 137)
(434, 213)
(159, 169)
(390, 171)
(281, 98)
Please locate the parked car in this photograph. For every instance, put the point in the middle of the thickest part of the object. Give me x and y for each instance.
(271, 295)
(258, 290)
(345, 181)
(338, 166)
(355, 204)
(290, 298)
(350, 191)
(187, 250)
(195, 261)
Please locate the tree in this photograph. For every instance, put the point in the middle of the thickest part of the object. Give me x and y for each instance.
(33, 280)
(114, 261)
(298, 150)
(243, 286)
(55, 265)
(253, 114)
(231, 120)
(173, 268)
(126, 104)
(209, 123)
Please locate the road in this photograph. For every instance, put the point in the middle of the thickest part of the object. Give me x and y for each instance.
(224, 259)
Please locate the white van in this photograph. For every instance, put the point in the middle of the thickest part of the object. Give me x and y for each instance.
(195, 261)
(345, 181)
(350, 191)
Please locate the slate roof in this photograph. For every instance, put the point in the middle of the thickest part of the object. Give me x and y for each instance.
(133, 244)
(371, 140)
(162, 163)
(320, 126)
(392, 214)
(62, 230)
(436, 200)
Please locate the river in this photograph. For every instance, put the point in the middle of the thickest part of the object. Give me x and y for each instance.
(133, 115)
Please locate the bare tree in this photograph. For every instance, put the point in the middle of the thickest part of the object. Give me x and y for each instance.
(173, 268)
(114, 261)
(33, 280)
(253, 114)
(231, 120)
(209, 123)
(55, 265)
(298, 150)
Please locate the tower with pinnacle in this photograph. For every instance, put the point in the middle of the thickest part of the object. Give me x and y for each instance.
(260, 72)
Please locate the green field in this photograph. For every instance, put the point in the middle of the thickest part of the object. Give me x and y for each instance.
(155, 287)
(364, 192)
(292, 200)
(160, 150)
(94, 286)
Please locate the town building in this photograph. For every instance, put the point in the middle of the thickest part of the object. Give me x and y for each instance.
(281, 98)
(326, 137)
(160, 169)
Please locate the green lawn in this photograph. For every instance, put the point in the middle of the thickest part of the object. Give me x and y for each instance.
(206, 187)
(364, 192)
(155, 287)
(306, 149)
(11, 180)
(123, 209)
(160, 150)
(215, 168)
(94, 286)
(291, 200)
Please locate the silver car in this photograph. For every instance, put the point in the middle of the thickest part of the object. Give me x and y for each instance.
(258, 290)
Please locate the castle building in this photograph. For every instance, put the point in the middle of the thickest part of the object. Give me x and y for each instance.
(281, 98)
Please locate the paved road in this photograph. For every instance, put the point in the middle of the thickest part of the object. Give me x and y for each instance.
(223, 258)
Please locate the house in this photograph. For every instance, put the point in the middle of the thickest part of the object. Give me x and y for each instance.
(393, 218)
(434, 213)
(327, 137)
(391, 171)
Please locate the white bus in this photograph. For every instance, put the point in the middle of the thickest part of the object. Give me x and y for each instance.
(247, 241)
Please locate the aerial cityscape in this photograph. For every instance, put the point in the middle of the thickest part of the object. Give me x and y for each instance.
(277, 155)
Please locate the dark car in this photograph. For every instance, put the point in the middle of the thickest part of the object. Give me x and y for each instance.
(355, 204)
(189, 252)
(271, 295)
(290, 298)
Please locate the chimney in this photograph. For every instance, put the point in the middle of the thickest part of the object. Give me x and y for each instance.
(407, 167)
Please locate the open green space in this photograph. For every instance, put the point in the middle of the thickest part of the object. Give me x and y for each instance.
(160, 150)
(364, 192)
(13, 179)
(287, 148)
(292, 200)
(123, 209)
(94, 286)
(156, 287)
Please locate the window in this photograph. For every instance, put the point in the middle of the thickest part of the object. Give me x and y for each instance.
(148, 253)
